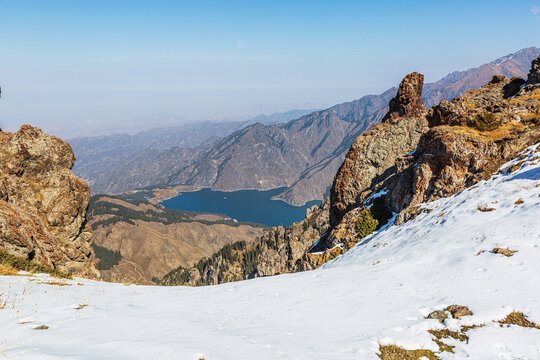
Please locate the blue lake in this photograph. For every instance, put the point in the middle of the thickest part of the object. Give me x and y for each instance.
(243, 205)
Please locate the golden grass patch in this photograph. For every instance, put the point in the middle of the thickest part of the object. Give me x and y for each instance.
(7, 269)
(519, 319)
(394, 352)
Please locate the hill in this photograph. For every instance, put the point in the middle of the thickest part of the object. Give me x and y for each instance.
(135, 241)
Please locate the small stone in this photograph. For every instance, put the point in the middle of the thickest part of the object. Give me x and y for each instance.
(41, 327)
(437, 315)
(505, 252)
(458, 311)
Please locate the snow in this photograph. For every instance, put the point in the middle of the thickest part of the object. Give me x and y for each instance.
(377, 293)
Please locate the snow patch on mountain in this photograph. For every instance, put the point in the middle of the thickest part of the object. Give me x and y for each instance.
(379, 292)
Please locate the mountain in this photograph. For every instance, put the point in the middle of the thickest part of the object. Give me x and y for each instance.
(302, 155)
(454, 283)
(412, 157)
(97, 155)
(136, 241)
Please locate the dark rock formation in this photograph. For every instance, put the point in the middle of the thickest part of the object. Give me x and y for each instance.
(408, 101)
(42, 203)
(533, 78)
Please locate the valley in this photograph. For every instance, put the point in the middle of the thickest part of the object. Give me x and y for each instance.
(139, 241)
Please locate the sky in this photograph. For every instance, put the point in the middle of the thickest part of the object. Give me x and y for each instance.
(79, 68)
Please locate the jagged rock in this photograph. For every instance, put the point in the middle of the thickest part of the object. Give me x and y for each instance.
(451, 158)
(375, 152)
(467, 140)
(533, 78)
(42, 203)
(408, 101)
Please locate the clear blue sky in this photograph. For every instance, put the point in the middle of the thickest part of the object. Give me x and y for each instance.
(76, 66)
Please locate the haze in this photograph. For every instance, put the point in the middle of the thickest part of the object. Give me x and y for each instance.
(85, 68)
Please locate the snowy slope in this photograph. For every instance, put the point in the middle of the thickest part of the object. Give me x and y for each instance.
(377, 293)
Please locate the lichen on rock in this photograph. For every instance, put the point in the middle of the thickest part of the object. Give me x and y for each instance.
(42, 203)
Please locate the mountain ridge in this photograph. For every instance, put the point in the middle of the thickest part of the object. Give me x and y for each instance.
(303, 154)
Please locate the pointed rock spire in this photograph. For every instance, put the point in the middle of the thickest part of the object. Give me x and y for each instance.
(408, 101)
(533, 79)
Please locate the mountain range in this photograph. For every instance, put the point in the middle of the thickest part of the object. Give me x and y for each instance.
(302, 155)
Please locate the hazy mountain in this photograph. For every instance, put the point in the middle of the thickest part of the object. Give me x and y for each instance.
(97, 155)
(303, 154)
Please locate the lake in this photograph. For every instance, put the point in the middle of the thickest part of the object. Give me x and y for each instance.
(243, 205)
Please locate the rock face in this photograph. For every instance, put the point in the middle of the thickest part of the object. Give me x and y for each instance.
(42, 203)
(375, 152)
(408, 101)
(466, 141)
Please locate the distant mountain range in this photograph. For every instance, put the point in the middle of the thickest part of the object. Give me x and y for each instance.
(302, 155)
(98, 155)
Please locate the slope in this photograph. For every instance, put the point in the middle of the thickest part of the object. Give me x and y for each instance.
(151, 241)
(366, 304)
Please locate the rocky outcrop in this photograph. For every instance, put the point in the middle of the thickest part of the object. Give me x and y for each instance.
(42, 203)
(467, 140)
(483, 130)
(533, 78)
(408, 101)
(375, 152)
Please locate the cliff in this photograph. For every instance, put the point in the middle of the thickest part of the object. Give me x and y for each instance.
(43, 204)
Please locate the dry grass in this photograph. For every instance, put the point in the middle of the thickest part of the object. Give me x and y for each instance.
(533, 95)
(505, 252)
(445, 333)
(519, 319)
(51, 282)
(501, 132)
(486, 122)
(394, 352)
(7, 269)
(21, 264)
